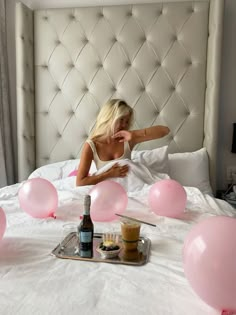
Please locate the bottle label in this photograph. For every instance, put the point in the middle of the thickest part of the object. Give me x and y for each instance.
(86, 211)
(85, 237)
(86, 253)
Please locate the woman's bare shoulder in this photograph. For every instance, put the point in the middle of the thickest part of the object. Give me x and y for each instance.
(87, 147)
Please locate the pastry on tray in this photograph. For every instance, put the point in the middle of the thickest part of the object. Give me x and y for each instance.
(109, 247)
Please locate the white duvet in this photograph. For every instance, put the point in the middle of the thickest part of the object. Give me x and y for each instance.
(34, 282)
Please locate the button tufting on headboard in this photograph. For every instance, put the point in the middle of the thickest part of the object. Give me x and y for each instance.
(155, 56)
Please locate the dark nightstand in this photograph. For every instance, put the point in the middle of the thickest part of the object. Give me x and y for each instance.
(227, 195)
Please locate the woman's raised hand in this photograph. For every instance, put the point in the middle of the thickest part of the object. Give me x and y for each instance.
(123, 135)
(118, 171)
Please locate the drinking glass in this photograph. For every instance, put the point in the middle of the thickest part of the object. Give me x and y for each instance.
(68, 228)
(130, 231)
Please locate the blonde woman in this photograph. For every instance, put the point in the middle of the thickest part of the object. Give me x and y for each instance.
(111, 140)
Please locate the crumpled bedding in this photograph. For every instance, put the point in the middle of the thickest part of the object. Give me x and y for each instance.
(35, 282)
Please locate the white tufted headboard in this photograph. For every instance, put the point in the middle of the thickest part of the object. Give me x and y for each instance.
(163, 58)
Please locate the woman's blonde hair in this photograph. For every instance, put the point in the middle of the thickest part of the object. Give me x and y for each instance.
(108, 115)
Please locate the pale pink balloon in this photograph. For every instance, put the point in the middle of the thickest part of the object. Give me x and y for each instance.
(107, 198)
(2, 223)
(38, 197)
(167, 198)
(73, 173)
(209, 257)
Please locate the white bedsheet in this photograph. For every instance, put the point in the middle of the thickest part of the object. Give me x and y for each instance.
(34, 282)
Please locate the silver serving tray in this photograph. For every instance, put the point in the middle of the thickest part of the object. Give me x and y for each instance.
(67, 249)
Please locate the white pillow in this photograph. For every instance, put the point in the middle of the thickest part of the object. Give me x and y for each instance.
(59, 170)
(191, 169)
(156, 160)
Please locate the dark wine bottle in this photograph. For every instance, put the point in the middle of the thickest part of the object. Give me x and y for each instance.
(86, 231)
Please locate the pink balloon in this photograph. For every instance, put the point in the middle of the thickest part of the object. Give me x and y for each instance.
(38, 197)
(2, 223)
(209, 257)
(73, 173)
(167, 198)
(107, 198)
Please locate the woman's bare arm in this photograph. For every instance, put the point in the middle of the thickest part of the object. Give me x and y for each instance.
(83, 178)
(141, 135)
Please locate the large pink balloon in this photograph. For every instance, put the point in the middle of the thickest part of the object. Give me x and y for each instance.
(38, 197)
(167, 198)
(107, 198)
(2, 223)
(209, 258)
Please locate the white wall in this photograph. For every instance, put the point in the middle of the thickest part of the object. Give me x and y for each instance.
(228, 84)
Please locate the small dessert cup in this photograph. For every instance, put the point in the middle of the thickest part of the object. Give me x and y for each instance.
(109, 247)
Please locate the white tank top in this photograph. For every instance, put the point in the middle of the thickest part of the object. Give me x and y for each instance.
(99, 163)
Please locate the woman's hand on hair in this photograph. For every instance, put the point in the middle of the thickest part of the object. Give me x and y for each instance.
(122, 136)
(118, 171)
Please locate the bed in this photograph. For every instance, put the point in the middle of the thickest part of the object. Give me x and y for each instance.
(163, 58)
